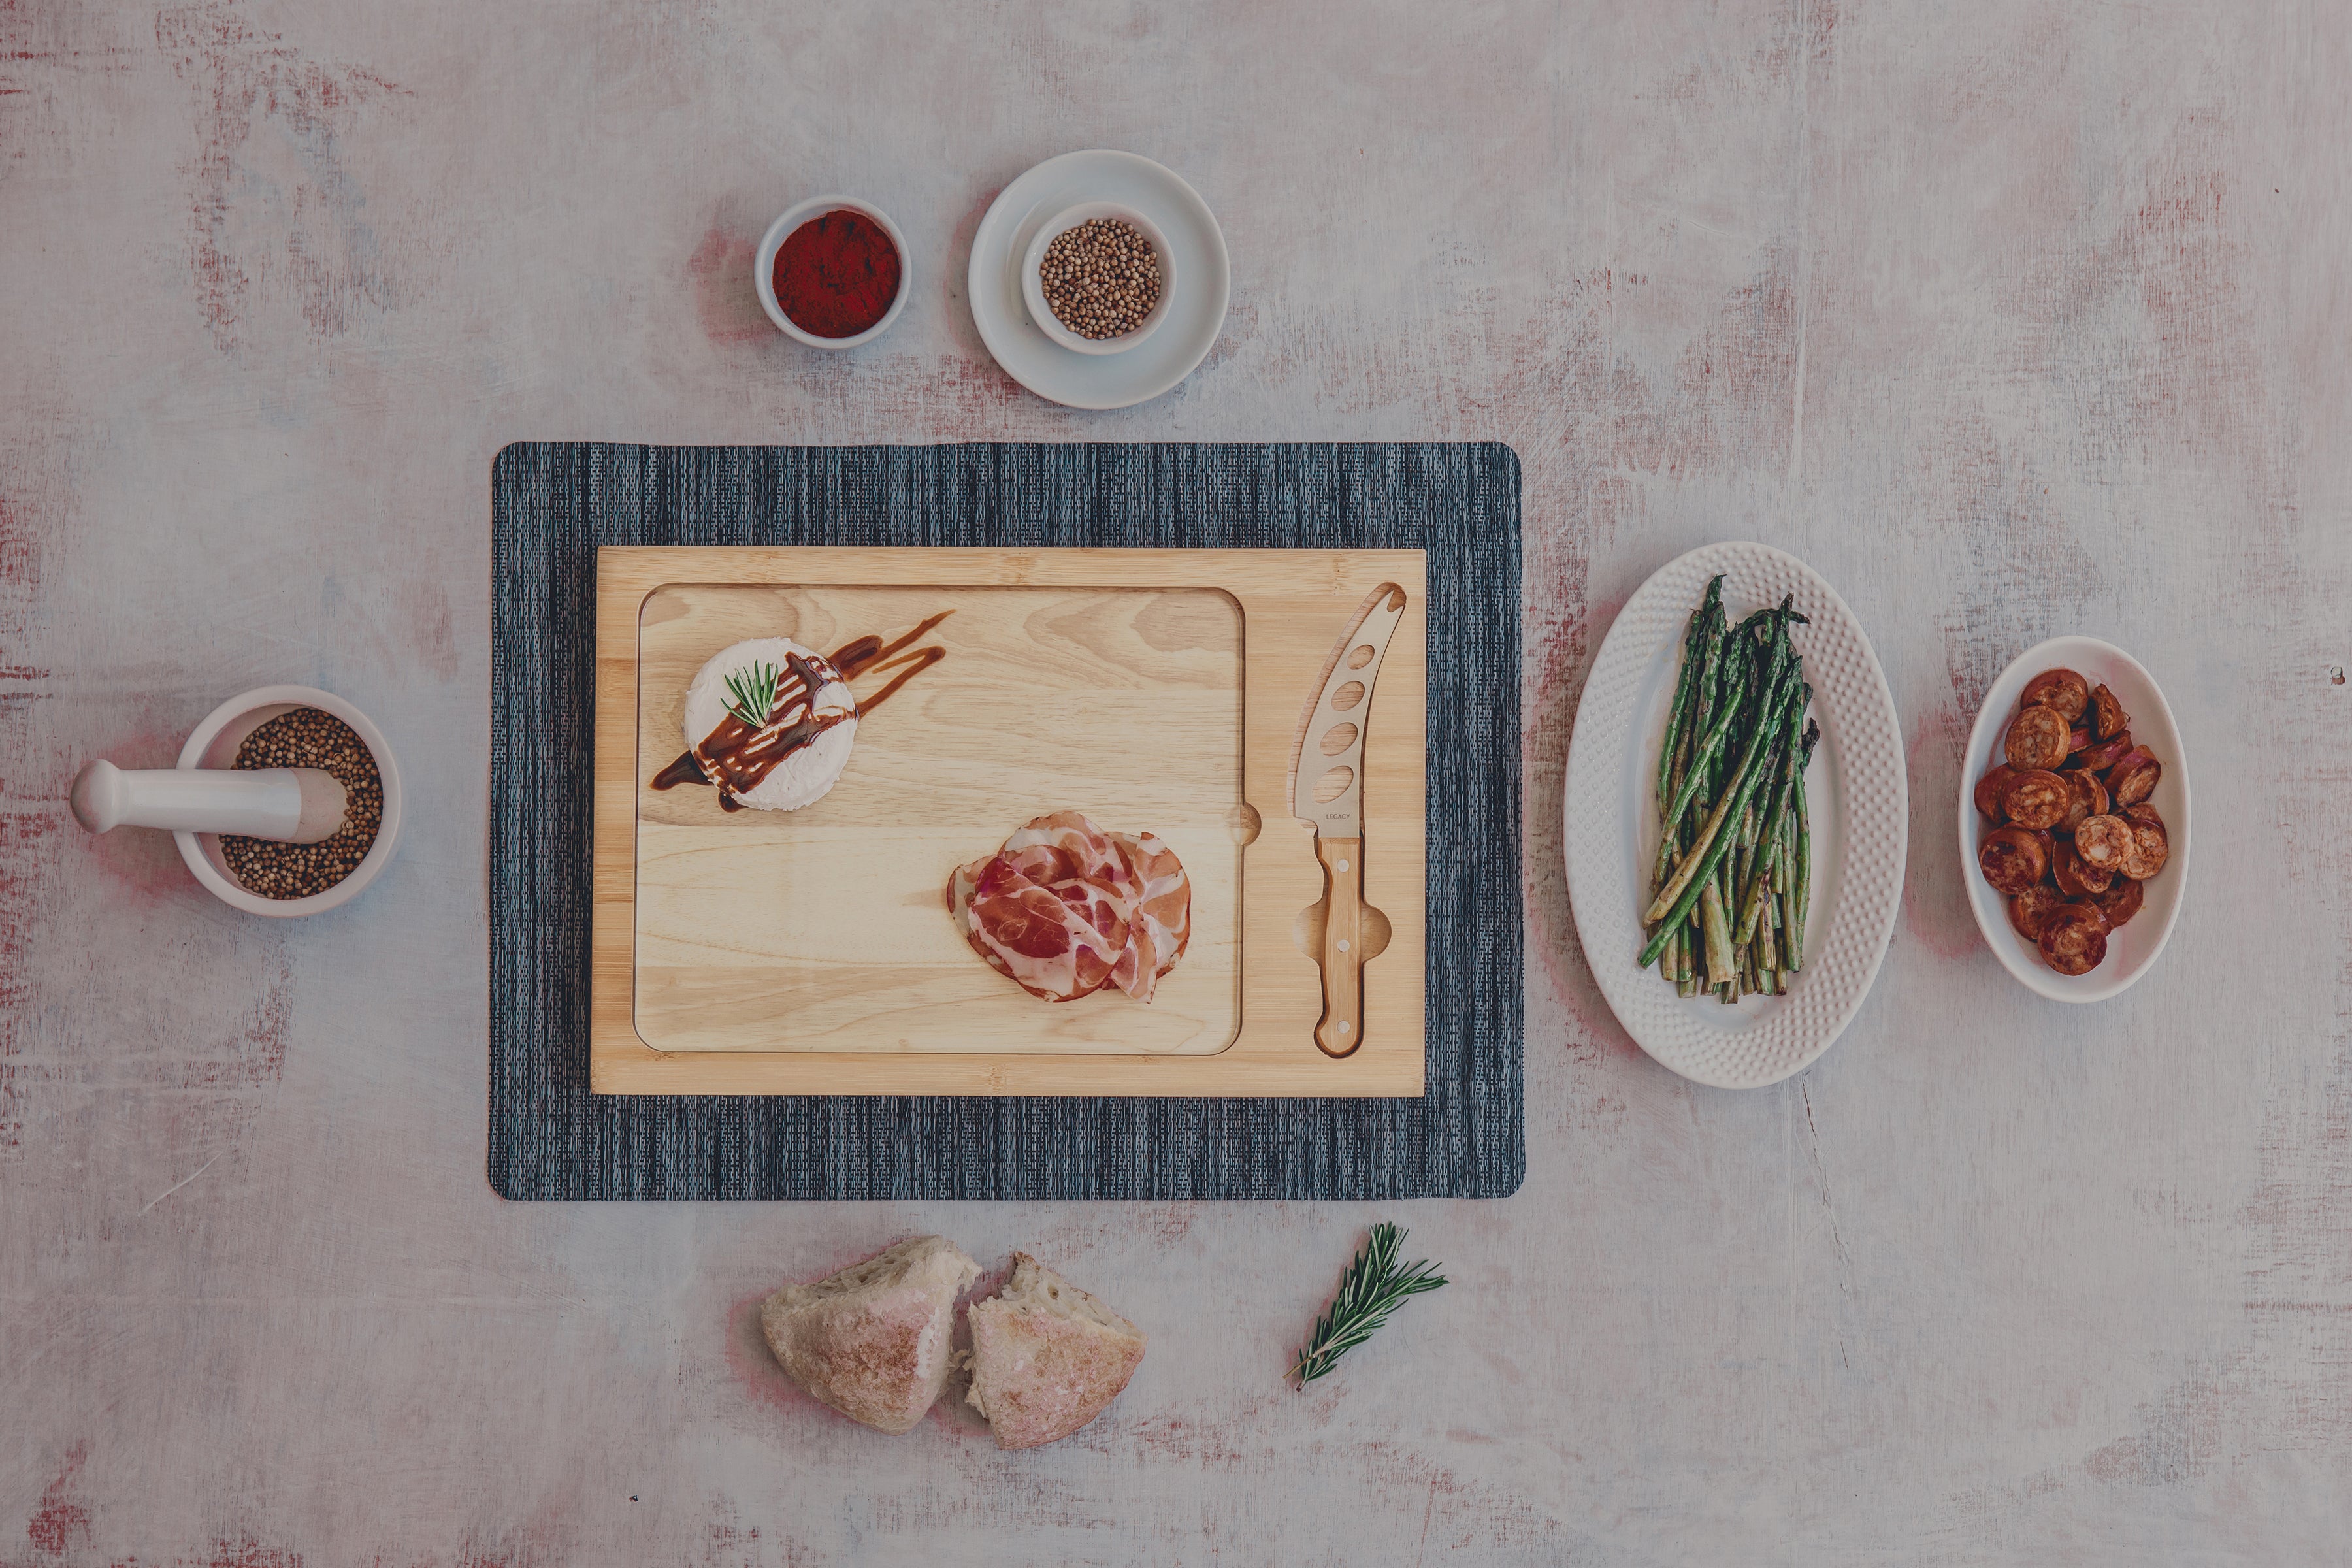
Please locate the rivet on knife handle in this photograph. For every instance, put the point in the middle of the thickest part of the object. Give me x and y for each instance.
(1342, 1028)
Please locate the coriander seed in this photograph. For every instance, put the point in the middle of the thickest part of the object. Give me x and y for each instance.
(309, 737)
(1100, 278)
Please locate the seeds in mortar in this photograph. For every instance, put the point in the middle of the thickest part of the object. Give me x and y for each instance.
(307, 738)
(1100, 279)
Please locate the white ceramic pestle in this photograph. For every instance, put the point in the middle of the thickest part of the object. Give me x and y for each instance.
(294, 806)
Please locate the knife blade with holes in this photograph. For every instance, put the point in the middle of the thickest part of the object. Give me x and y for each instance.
(1326, 788)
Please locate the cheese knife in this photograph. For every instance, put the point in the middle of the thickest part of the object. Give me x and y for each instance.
(1326, 788)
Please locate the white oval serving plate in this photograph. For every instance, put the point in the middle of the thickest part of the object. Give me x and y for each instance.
(1200, 281)
(2135, 946)
(1857, 793)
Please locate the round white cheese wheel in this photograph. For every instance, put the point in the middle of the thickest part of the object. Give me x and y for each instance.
(807, 773)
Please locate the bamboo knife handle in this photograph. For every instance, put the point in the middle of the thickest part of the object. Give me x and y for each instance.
(1342, 1028)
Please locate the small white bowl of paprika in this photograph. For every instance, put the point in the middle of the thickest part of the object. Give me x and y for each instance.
(832, 272)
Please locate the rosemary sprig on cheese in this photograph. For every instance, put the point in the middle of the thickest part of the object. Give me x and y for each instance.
(752, 693)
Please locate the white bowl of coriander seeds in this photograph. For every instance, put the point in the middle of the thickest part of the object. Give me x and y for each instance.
(296, 726)
(1099, 278)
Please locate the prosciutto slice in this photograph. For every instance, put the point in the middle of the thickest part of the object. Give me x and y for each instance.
(1066, 908)
(1161, 922)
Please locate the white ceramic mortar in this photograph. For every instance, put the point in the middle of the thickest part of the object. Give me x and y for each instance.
(214, 744)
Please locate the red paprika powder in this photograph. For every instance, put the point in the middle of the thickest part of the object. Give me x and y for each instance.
(836, 273)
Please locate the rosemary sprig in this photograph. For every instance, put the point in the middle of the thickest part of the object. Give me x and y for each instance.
(1373, 1287)
(752, 693)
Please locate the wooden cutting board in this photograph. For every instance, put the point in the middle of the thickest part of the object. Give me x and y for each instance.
(811, 951)
(824, 928)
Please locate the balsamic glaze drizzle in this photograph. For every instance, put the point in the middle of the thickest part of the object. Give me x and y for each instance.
(737, 757)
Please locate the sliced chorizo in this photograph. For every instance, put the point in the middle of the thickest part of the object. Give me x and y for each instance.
(2104, 754)
(2060, 690)
(1990, 787)
(2120, 903)
(2103, 842)
(2149, 852)
(2012, 859)
(2038, 800)
(2037, 739)
(2140, 811)
(2075, 879)
(2090, 798)
(2107, 715)
(2032, 907)
(2133, 777)
(2073, 938)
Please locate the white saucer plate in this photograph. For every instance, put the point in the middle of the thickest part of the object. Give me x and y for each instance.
(1857, 800)
(2132, 949)
(1196, 310)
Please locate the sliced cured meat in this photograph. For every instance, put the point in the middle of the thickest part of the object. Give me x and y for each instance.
(1058, 942)
(2149, 851)
(2060, 690)
(2032, 907)
(2098, 758)
(1064, 844)
(2107, 715)
(1066, 908)
(2103, 842)
(1990, 788)
(2133, 777)
(2039, 799)
(2073, 938)
(2120, 903)
(2140, 811)
(1161, 922)
(2075, 879)
(2037, 739)
(2090, 798)
(2012, 859)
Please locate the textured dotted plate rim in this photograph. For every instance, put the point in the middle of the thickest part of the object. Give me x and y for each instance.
(1857, 793)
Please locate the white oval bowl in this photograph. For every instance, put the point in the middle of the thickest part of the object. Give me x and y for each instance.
(764, 268)
(1033, 292)
(2133, 948)
(214, 744)
(1857, 794)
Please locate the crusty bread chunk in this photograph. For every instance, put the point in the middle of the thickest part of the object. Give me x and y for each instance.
(872, 1340)
(1046, 1356)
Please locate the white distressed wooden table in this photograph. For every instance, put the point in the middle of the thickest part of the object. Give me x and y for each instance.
(2012, 319)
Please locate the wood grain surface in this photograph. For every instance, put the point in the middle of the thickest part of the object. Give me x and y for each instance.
(827, 929)
(1066, 684)
(2011, 318)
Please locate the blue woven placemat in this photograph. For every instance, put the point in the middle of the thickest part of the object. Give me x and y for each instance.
(552, 503)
